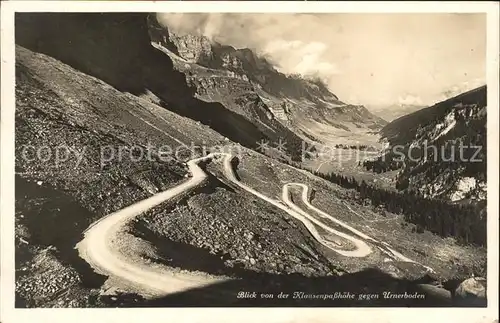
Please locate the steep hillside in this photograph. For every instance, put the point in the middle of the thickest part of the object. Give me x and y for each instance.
(109, 148)
(443, 147)
(116, 48)
(405, 128)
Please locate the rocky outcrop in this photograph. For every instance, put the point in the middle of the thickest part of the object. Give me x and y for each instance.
(211, 61)
(436, 292)
(406, 128)
(194, 49)
(231, 62)
(191, 48)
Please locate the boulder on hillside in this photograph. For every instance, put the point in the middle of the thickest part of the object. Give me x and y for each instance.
(472, 291)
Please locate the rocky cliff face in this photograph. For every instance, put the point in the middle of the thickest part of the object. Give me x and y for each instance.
(260, 71)
(191, 48)
(199, 50)
(251, 86)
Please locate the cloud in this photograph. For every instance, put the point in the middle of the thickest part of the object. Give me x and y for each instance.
(410, 100)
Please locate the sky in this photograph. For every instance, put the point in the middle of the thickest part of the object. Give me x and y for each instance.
(370, 59)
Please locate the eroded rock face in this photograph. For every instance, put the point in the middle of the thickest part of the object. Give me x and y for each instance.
(444, 126)
(216, 83)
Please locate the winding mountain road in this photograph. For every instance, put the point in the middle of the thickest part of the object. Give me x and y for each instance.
(96, 246)
(383, 246)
